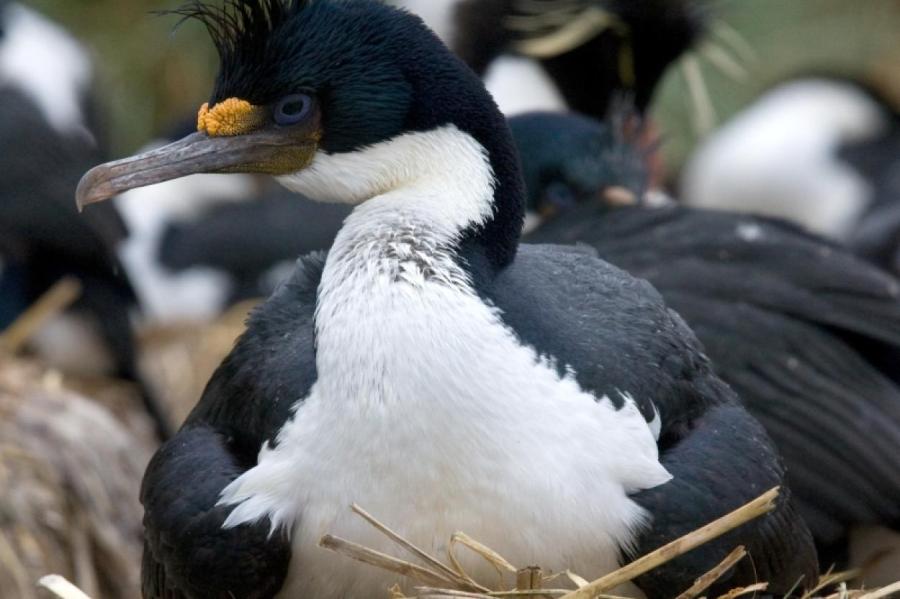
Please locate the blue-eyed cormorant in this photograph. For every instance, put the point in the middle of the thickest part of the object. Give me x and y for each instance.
(419, 369)
(781, 156)
(807, 333)
(181, 261)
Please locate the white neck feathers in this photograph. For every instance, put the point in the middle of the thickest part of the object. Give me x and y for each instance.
(394, 257)
(444, 175)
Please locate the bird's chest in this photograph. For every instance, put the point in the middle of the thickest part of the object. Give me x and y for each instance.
(492, 459)
(429, 414)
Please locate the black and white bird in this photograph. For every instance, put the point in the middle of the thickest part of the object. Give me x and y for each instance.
(44, 79)
(429, 367)
(807, 333)
(46, 142)
(179, 290)
(818, 151)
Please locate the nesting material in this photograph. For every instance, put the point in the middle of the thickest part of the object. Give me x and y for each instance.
(61, 587)
(452, 581)
(441, 581)
(70, 474)
(437, 580)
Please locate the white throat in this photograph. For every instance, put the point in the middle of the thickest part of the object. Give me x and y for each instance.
(443, 174)
(428, 411)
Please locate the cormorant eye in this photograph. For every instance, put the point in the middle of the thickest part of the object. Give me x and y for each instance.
(292, 109)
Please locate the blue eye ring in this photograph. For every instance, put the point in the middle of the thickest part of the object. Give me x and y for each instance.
(292, 109)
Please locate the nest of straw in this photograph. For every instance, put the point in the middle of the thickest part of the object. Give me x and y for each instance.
(73, 450)
(69, 470)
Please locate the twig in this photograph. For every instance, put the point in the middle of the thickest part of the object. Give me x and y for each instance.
(61, 587)
(756, 508)
(491, 556)
(431, 593)
(831, 578)
(575, 578)
(434, 592)
(704, 113)
(460, 581)
(706, 581)
(381, 560)
(741, 591)
(883, 592)
(52, 302)
(529, 578)
(529, 593)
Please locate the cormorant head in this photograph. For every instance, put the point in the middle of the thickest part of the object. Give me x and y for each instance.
(568, 159)
(304, 80)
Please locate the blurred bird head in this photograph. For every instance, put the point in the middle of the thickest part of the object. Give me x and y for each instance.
(568, 159)
(592, 49)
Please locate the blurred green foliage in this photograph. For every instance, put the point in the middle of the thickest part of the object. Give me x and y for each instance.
(150, 77)
(857, 39)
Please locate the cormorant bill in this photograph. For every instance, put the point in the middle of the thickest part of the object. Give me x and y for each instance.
(416, 369)
(807, 333)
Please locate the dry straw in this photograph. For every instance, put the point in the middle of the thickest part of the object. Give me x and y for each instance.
(69, 474)
(442, 581)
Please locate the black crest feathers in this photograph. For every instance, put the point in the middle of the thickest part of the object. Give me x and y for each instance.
(239, 25)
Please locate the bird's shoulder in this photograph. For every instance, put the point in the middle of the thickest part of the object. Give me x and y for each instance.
(272, 365)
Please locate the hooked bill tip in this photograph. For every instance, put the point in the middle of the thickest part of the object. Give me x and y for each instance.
(92, 188)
